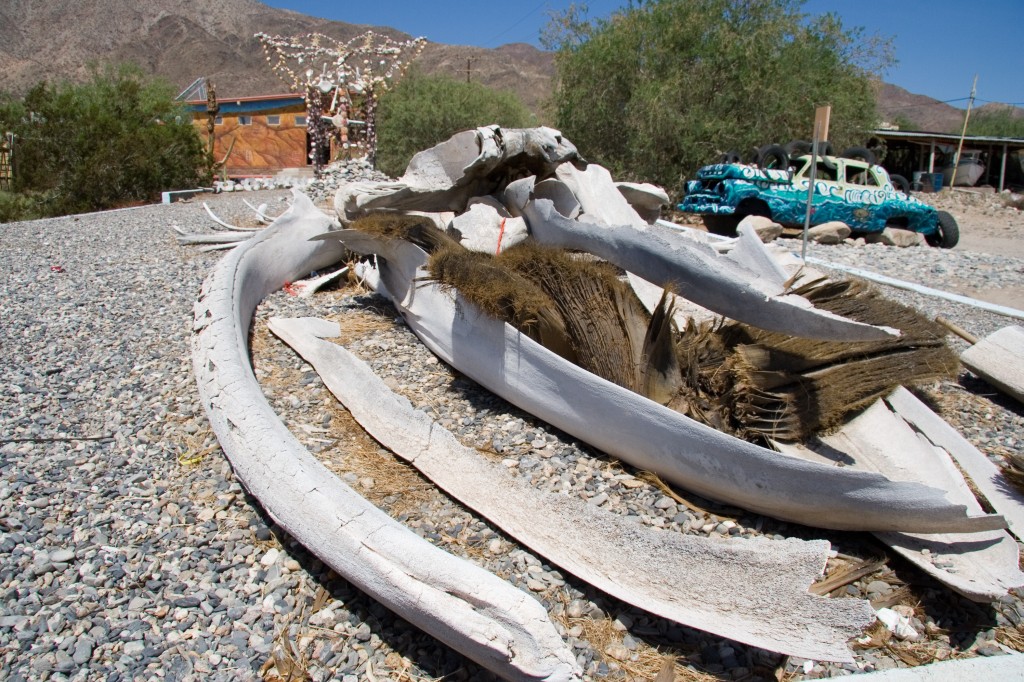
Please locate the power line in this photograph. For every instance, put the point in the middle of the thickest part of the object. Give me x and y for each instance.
(512, 26)
(928, 104)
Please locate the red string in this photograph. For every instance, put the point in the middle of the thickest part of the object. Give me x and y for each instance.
(501, 233)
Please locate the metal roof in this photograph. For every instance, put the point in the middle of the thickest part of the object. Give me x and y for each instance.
(952, 137)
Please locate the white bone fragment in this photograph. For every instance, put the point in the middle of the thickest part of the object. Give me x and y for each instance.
(216, 238)
(487, 619)
(599, 198)
(697, 273)
(1005, 499)
(645, 198)
(223, 224)
(517, 193)
(559, 194)
(484, 229)
(218, 247)
(981, 566)
(989, 668)
(741, 589)
(305, 288)
(999, 359)
(645, 434)
(260, 211)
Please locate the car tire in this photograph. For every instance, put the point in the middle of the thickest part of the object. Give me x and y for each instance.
(797, 148)
(900, 183)
(862, 153)
(773, 156)
(731, 156)
(949, 232)
(721, 224)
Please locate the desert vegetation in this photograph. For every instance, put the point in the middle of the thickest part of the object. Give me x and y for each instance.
(115, 140)
(422, 111)
(663, 87)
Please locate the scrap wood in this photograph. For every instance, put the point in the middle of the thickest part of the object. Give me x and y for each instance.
(845, 577)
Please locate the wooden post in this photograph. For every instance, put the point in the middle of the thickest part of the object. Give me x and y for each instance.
(821, 121)
(960, 147)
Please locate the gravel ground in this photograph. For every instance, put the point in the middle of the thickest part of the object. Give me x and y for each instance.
(128, 550)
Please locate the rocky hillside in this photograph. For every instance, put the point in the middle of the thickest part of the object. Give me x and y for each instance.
(184, 39)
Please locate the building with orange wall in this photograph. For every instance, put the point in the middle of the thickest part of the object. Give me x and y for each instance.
(260, 135)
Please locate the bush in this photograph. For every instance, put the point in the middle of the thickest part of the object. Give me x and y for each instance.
(996, 122)
(116, 140)
(422, 111)
(15, 207)
(666, 86)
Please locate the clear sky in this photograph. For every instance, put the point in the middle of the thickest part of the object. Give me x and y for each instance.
(940, 44)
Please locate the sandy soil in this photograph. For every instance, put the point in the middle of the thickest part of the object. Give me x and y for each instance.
(989, 223)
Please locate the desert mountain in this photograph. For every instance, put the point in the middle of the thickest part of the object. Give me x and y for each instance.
(182, 40)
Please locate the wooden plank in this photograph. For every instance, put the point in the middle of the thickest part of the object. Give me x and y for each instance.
(999, 360)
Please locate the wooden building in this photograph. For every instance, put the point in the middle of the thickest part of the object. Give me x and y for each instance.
(910, 153)
(259, 136)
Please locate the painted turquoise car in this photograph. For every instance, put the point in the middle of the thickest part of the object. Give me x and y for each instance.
(852, 191)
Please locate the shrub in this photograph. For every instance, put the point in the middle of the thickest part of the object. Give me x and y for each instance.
(422, 111)
(665, 86)
(116, 140)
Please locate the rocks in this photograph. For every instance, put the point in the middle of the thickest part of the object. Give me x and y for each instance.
(828, 233)
(767, 229)
(893, 236)
(136, 554)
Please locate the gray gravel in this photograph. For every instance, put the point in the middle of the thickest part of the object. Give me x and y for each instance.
(128, 550)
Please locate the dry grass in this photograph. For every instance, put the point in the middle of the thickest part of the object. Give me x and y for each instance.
(650, 664)
(193, 449)
(397, 487)
(1012, 637)
(358, 324)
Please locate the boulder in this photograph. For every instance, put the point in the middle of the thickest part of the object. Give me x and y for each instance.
(767, 229)
(829, 233)
(894, 236)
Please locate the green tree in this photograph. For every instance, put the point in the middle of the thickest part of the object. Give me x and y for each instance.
(904, 122)
(115, 140)
(665, 86)
(997, 122)
(422, 111)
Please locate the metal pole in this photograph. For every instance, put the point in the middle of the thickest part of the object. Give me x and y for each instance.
(810, 188)
(1002, 170)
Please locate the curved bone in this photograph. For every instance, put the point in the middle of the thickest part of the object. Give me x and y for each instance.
(697, 273)
(260, 211)
(741, 588)
(645, 434)
(218, 238)
(471, 610)
(225, 225)
(980, 566)
(469, 164)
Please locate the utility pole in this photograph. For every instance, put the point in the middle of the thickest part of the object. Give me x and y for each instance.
(469, 67)
(960, 147)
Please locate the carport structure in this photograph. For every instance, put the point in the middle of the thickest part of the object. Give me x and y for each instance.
(909, 152)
